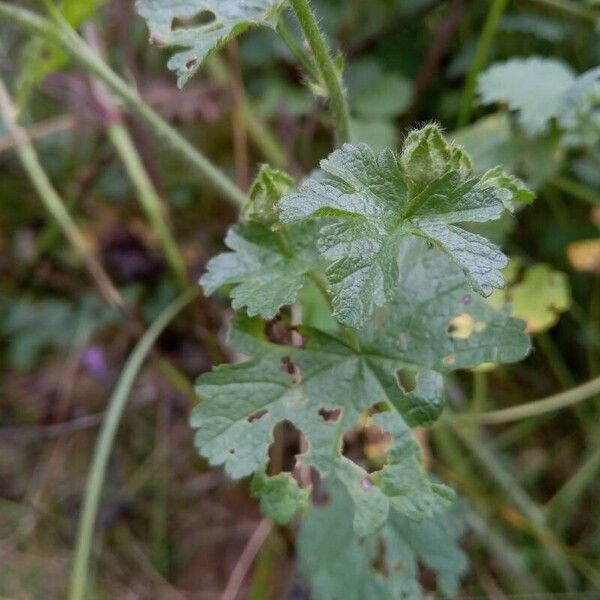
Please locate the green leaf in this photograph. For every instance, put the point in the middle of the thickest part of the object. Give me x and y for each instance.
(266, 270)
(324, 386)
(195, 28)
(511, 189)
(539, 297)
(339, 564)
(280, 496)
(541, 89)
(374, 201)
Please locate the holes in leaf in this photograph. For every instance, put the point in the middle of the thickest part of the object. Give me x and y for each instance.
(287, 444)
(292, 369)
(461, 327)
(333, 414)
(191, 63)
(259, 414)
(407, 379)
(204, 17)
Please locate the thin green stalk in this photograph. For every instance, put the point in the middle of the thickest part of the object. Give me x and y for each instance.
(329, 73)
(561, 506)
(259, 132)
(148, 198)
(554, 358)
(577, 190)
(481, 55)
(480, 391)
(62, 34)
(573, 8)
(501, 475)
(54, 203)
(297, 50)
(532, 409)
(105, 441)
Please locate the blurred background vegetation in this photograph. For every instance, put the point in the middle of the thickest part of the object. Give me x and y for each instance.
(170, 527)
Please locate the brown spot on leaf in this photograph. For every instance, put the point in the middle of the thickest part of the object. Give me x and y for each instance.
(292, 369)
(259, 414)
(380, 563)
(328, 414)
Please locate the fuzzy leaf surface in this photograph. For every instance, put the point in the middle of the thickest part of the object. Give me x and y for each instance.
(265, 270)
(198, 27)
(374, 201)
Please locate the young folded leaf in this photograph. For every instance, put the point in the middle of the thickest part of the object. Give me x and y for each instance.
(198, 27)
(375, 201)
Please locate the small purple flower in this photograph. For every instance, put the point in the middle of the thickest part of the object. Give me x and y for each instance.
(94, 362)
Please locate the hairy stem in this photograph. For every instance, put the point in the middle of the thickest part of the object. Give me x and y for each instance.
(337, 96)
(104, 443)
(481, 54)
(297, 50)
(62, 34)
(54, 203)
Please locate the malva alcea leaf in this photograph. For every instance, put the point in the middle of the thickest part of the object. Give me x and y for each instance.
(265, 269)
(198, 27)
(324, 386)
(340, 564)
(374, 201)
(540, 90)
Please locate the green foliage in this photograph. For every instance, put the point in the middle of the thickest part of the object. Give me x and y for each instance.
(198, 27)
(384, 565)
(378, 200)
(381, 237)
(540, 90)
(538, 296)
(280, 496)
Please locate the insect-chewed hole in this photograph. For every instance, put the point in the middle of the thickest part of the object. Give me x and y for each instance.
(204, 17)
(287, 444)
(191, 63)
(407, 379)
(330, 414)
(461, 327)
(292, 369)
(259, 414)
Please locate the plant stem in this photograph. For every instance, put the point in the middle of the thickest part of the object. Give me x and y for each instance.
(573, 8)
(297, 50)
(262, 137)
(106, 437)
(532, 409)
(481, 55)
(54, 203)
(337, 97)
(62, 34)
(148, 198)
(576, 190)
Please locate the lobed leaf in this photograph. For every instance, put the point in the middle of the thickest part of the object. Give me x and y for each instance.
(541, 89)
(198, 27)
(374, 201)
(266, 270)
(340, 564)
(324, 386)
